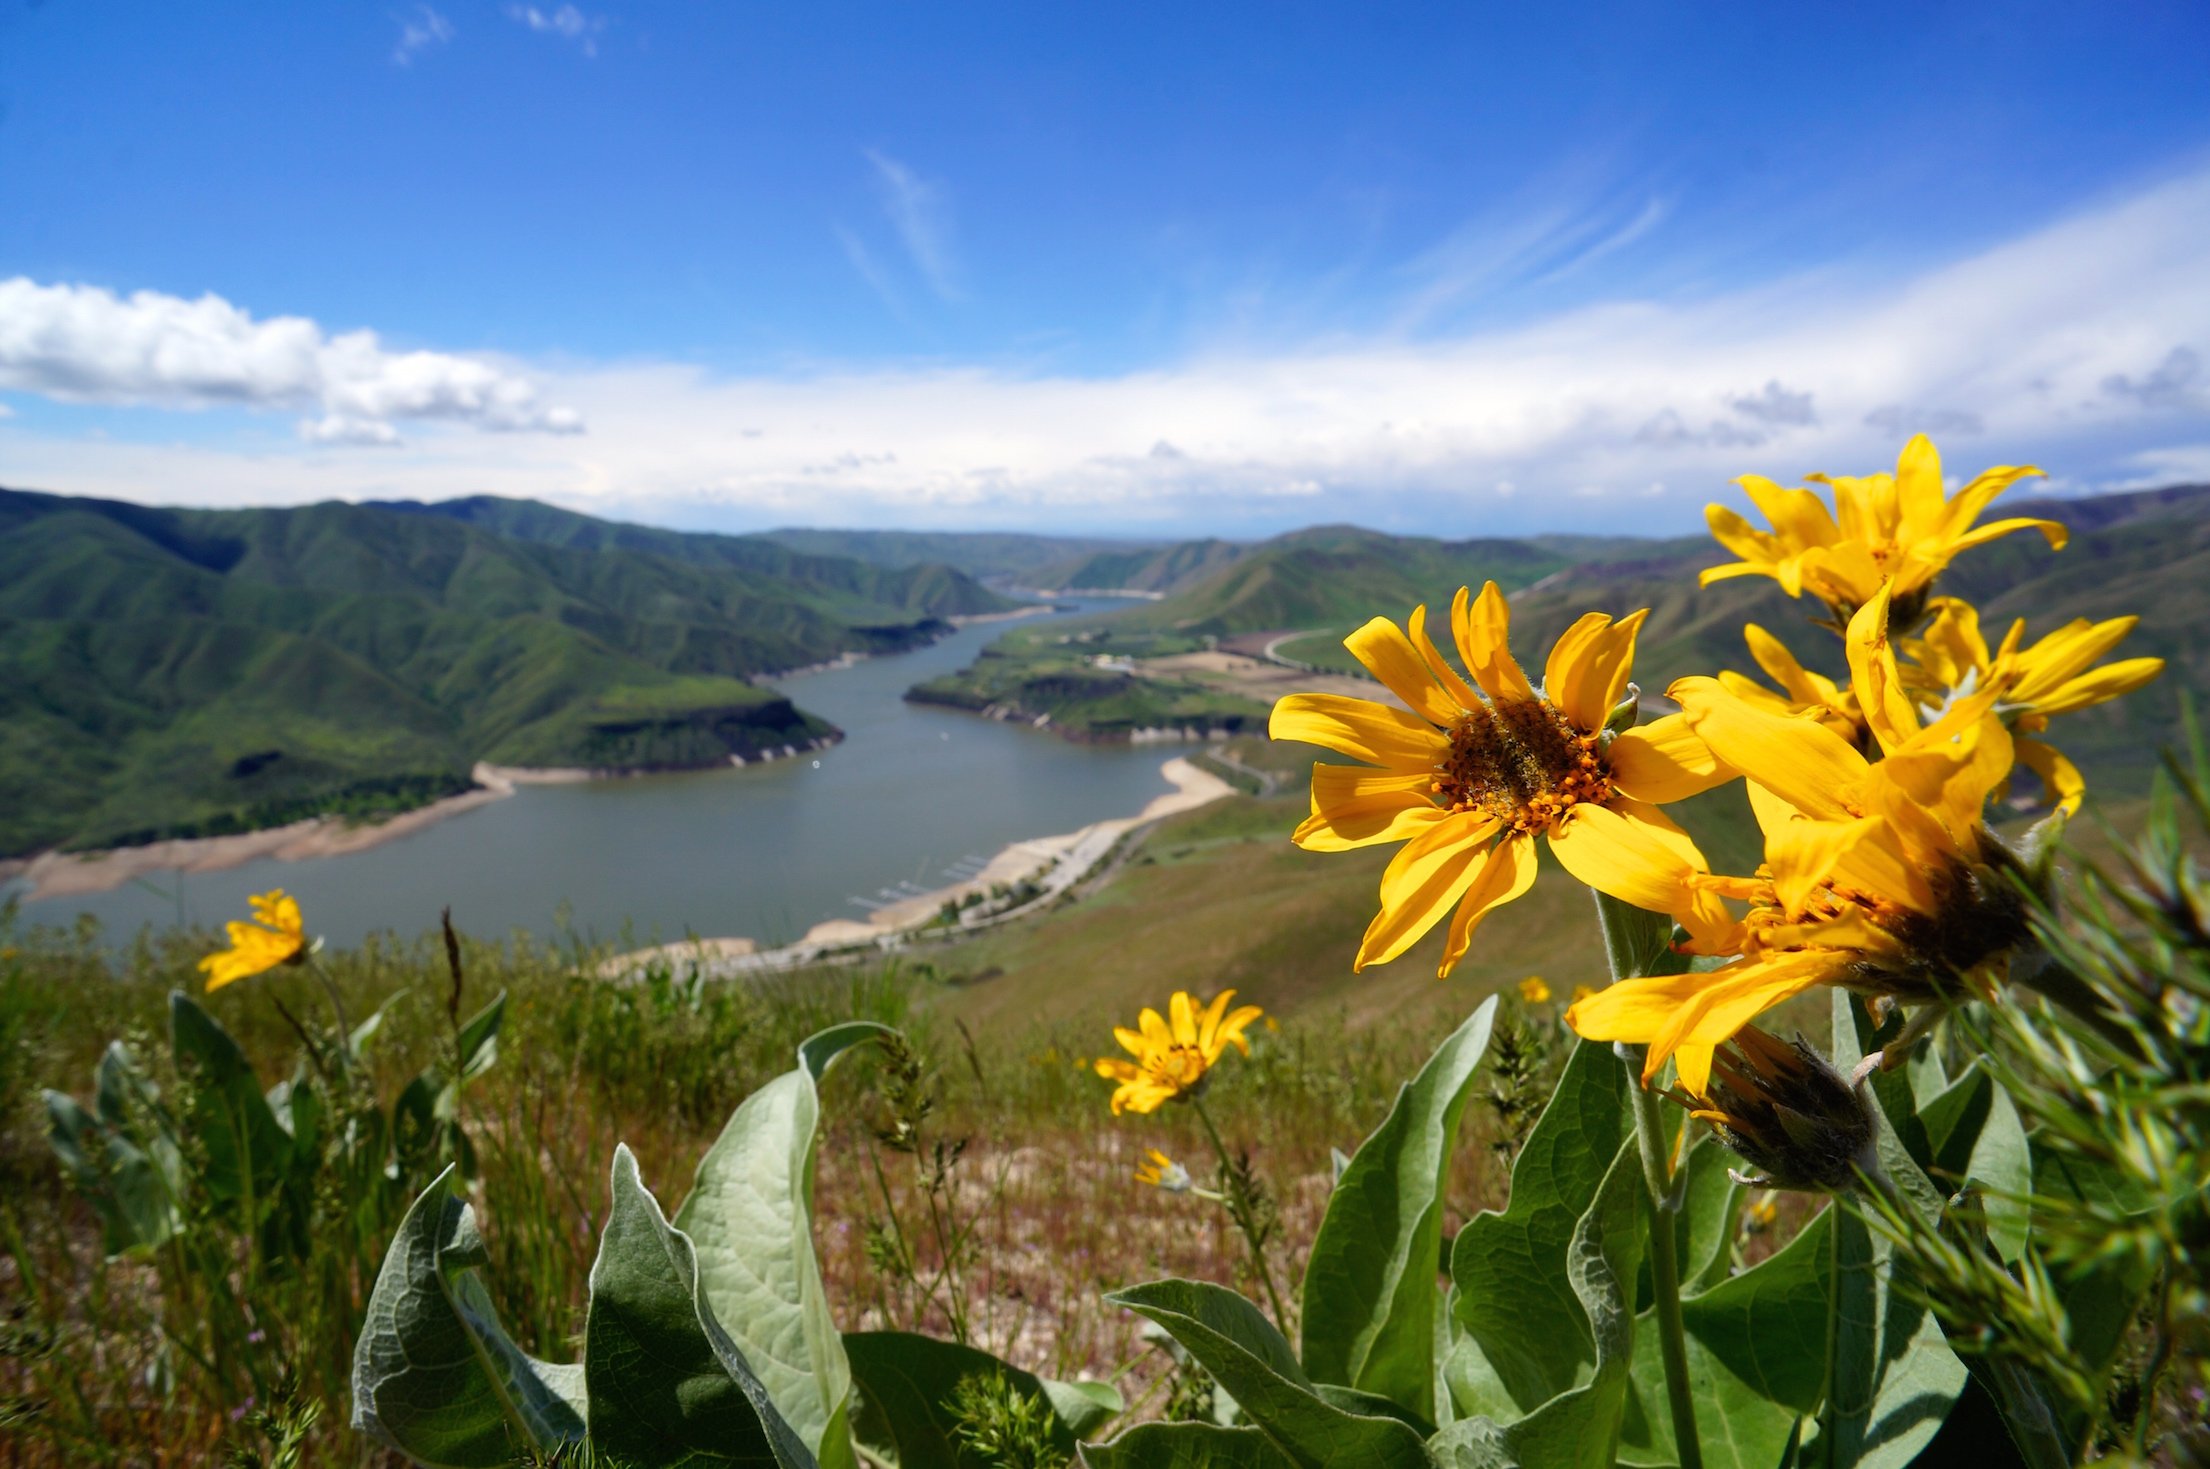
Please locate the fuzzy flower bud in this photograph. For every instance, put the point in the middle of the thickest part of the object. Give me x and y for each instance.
(1796, 1120)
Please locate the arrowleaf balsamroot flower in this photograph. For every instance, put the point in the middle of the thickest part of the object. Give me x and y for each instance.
(1895, 530)
(1878, 876)
(278, 935)
(1164, 1174)
(1475, 772)
(1174, 1058)
(2056, 675)
(1789, 1114)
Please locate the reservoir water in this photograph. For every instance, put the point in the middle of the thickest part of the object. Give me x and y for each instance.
(914, 797)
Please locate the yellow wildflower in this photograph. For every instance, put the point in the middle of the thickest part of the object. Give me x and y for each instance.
(2054, 676)
(1174, 1059)
(1881, 877)
(1895, 530)
(1762, 1214)
(1802, 691)
(277, 935)
(1534, 990)
(1582, 992)
(1470, 777)
(1164, 1174)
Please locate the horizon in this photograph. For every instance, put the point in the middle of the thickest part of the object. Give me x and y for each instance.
(1169, 277)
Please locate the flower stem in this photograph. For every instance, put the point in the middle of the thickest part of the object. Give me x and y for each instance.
(1636, 944)
(1239, 1210)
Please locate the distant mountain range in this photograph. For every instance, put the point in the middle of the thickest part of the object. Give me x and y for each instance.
(173, 672)
(183, 672)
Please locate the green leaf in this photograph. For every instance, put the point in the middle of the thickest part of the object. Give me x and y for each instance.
(1710, 1216)
(906, 1383)
(479, 1039)
(1186, 1446)
(1974, 1137)
(1581, 1427)
(1894, 1377)
(1515, 1291)
(244, 1145)
(1756, 1361)
(1245, 1354)
(750, 1219)
(667, 1387)
(1370, 1294)
(132, 1188)
(435, 1375)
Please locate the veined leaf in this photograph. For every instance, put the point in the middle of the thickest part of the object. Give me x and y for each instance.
(1245, 1354)
(1894, 1377)
(1515, 1292)
(245, 1146)
(1974, 1136)
(666, 1385)
(750, 1220)
(1370, 1294)
(1579, 1428)
(1711, 1214)
(435, 1375)
(906, 1386)
(1186, 1446)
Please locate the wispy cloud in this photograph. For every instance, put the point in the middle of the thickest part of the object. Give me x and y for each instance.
(871, 271)
(2078, 346)
(565, 21)
(921, 215)
(88, 345)
(424, 30)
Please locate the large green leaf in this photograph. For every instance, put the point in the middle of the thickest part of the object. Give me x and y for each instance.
(1515, 1293)
(1581, 1427)
(906, 1386)
(1894, 1377)
(1370, 1292)
(1245, 1354)
(1186, 1446)
(1756, 1361)
(750, 1219)
(245, 1147)
(1974, 1138)
(435, 1375)
(667, 1386)
(1710, 1215)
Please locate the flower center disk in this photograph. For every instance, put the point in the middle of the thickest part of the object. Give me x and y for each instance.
(1521, 761)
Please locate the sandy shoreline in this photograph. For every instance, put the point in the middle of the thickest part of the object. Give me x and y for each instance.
(1054, 863)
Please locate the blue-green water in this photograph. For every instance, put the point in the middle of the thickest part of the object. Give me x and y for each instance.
(914, 795)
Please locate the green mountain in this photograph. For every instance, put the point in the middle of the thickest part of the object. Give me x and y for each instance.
(180, 672)
(1138, 568)
(1003, 558)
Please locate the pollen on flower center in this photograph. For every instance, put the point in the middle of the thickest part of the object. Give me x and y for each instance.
(1180, 1066)
(1523, 762)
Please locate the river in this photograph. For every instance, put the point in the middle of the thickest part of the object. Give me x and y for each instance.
(915, 797)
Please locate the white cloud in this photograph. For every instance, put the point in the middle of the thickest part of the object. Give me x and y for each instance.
(336, 428)
(921, 215)
(86, 344)
(565, 21)
(422, 31)
(1482, 432)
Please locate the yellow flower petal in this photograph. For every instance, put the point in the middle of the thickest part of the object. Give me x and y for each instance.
(1359, 728)
(1431, 873)
(1876, 680)
(1802, 761)
(1507, 872)
(1367, 823)
(1459, 690)
(1590, 666)
(1628, 858)
(1390, 657)
(1663, 761)
(2060, 778)
(1481, 626)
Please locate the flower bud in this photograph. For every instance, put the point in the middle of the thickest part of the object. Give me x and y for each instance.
(1794, 1118)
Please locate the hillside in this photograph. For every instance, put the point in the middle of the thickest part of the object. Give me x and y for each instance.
(1002, 558)
(177, 672)
(2145, 554)
(1137, 568)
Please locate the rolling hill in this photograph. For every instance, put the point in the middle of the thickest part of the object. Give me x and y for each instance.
(179, 672)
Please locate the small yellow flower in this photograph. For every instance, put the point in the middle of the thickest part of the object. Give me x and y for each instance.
(1951, 661)
(1878, 876)
(1894, 530)
(276, 936)
(1534, 990)
(1174, 1060)
(1164, 1174)
(1762, 1214)
(1582, 992)
(1476, 771)
(1273, 1026)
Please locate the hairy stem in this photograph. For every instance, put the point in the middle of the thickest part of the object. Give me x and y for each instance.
(1242, 1216)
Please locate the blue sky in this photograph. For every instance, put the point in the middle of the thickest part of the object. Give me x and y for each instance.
(1221, 269)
